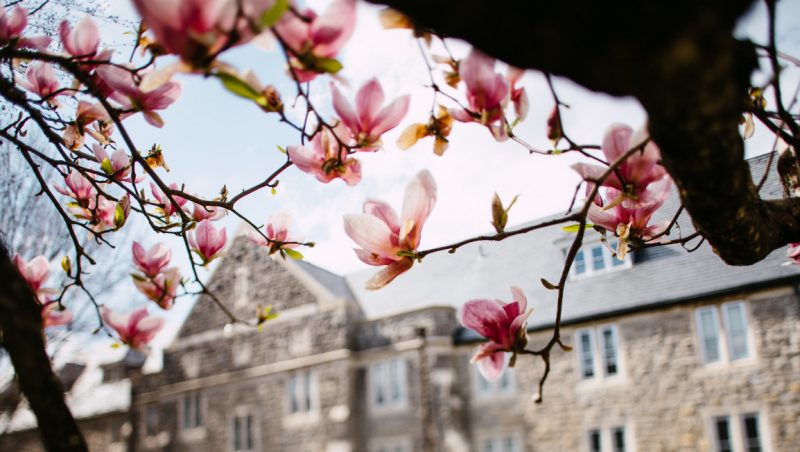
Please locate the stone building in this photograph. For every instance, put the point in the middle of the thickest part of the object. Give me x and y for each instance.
(672, 351)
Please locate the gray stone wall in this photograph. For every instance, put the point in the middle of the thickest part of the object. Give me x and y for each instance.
(665, 396)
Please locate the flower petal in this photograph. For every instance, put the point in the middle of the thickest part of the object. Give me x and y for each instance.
(418, 202)
(388, 274)
(487, 318)
(344, 110)
(372, 234)
(390, 116)
(616, 141)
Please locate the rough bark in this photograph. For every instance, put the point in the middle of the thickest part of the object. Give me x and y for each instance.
(679, 59)
(21, 331)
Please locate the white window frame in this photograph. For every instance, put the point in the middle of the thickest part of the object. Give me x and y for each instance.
(499, 436)
(391, 444)
(606, 432)
(243, 412)
(301, 392)
(492, 389)
(597, 346)
(608, 260)
(376, 371)
(197, 403)
(721, 313)
(736, 428)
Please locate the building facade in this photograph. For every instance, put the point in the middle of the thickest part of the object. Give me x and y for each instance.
(672, 351)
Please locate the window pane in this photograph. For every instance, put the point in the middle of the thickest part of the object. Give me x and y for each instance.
(594, 441)
(187, 405)
(509, 444)
(752, 440)
(580, 263)
(488, 445)
(151, 421)
(709, 334)
(198, 415)
(237, 433)
(723, 435)
(619, 439)
(598, 262)
(377, 383)
(502, 382)
(736, 328)
(306, 391)
(395, 369)
(293, 405)
(609, 351)
(587, 354)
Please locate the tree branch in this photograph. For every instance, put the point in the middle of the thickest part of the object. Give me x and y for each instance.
(21, 328)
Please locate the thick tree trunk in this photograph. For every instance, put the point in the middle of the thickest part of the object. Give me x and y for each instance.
(679, 59)
(21, 330)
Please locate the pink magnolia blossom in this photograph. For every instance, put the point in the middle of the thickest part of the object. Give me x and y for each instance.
(187, 28)
(207, 241)
(213, 213)
(316, 37)
(135, 328)
(166, 205)
(11, 27)
(153, 260)
(54, 315)
(78, 188)
(40, 79)
(136, 98)
(631, 223)
(117, 165)
(385, 238)
(161, 288)
(321, 160)
(36, 272)
(637, 171)
(82, 41)
(196, 30)
(793, 254)
(503, 324)
(370, 119)
(85, 115)
(277, 233)
(104, 214)
(487, 94)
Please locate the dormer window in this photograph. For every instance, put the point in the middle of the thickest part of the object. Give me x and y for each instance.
(596, 258)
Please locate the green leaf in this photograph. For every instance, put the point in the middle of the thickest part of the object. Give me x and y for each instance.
(548, 285)
(272, 15)
(119, 216)
(328, 65)
(66, 264)
(296, 255)
(239, 87)
(105, 165)
(576, 227)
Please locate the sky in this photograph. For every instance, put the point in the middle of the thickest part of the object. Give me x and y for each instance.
(213, 138)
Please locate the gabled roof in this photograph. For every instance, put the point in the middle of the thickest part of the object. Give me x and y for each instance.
(488, 269)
